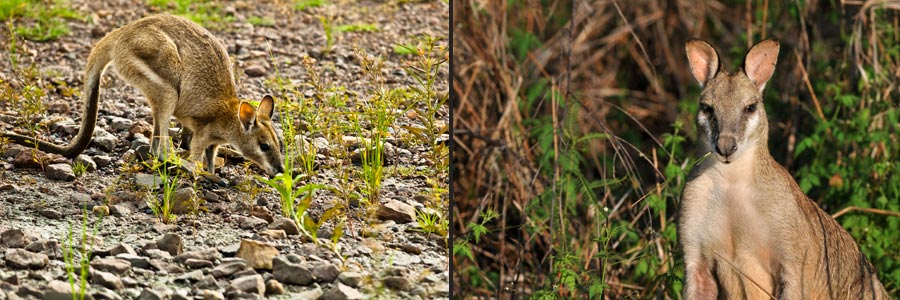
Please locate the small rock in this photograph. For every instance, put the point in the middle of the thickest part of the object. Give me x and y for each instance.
(208, 281)
(398, 283)
(13, 238)
(135, 260)
(105, 294)
(211, 295)
(273, 233)
(251, 223)
(251, 284)
(171, 243)
(210, 254)
(120, 124)
(410, 248)
(311, 294)
(122, 248)
(286, 224)
(325, 273)
(184, 201)
(255, 70)
(197, 263)
(166, 267)
(101, 210)
(147, 180)
(352, 279)
(24, 259)
(396, 211)
(102, 160)
(158, 254)
(51, 213)
(60, 290)
(107, 141)
(49, 247)
(140, 127)
(60, 172)
(226, 269)
(259, 255)
(58, 107)
(342, 292)
(287, 269)
(273, 287)
(107, 280)
(120, 210)
(155, 294)
(111, 264)
(86, 161)
(190, 277)
(262, 212)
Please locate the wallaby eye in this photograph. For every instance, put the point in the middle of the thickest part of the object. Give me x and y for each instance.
(264, 147)
(705, 108)
(750, 108)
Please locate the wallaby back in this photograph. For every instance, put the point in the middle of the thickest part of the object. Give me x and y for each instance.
(747, 230)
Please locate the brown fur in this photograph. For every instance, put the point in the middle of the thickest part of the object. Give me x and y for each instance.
(185, 72)
(747, 230)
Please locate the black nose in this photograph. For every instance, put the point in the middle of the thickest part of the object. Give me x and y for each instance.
(279, 169)
(726, 145)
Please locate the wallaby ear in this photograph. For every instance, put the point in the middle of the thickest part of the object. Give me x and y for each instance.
(247, 115)
(759, 64)
(704, 60)
(266, 107)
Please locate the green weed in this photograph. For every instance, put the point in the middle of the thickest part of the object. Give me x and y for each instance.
(85, 248)
(329, 29)
(306, 4)
(360, 27)
(38, 20)
(163, 205)
(261, 21)
(207, 14)
(79, 168)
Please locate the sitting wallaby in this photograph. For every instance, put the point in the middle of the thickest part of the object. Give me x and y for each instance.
(184, 72)
(747, 229)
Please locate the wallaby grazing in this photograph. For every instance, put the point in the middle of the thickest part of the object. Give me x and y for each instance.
(184, 72)
(747, 229)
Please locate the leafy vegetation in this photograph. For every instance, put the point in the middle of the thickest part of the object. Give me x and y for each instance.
(84, 248)
(207, 14)
(38, 20)
(573, 155)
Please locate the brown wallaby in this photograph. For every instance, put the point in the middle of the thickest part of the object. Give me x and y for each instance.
(747, 229)
(184, 72)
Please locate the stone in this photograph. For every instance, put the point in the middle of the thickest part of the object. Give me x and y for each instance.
(120, 210)
(100, 210)
(286, 224)
(51, 213)
(105, 140)
(273, 287)
(255, 70)
(352, 279)
(211, 295)
(251, 222)
(167, 267)
(86, 161)
(49, 247)
(23, 259)
(210, 254)
(61, 290)
(227, 269)
(120, 124)
(342, 292)
(259, 255)
(135, 260)
(171, 243)
(103, 160)
(397, 283)
(194, 263)
(263, 213)
(122, 248)
(288, 269)
(183, 201)
(13, 238)
(158, 254)
(58, 107)
(107, 280)
(325, 273)
(396, 211)
(411, 249)
(273, 233)
(147, 180)
(208, 281)
(111, 264)
(60, 172)
(253, 284)
(190, 277)
(311, 294)
(155, 294)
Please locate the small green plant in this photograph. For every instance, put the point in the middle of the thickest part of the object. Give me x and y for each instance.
(207, 14)
(306, 4)
(432, 222)
(163, 205)
(328, 28)
(84, 251)
(79, 167)
(358, 27)
(261, 21)
(49, 18)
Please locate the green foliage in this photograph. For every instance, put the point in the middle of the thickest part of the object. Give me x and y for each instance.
(328, 28)
(261, 21)
(163, 205)
(207, 14)
(85, 248)
(305, 4)
(358, 27)
(38, 20)
(79, 168)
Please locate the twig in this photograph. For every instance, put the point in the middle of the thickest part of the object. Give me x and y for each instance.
(866, 209)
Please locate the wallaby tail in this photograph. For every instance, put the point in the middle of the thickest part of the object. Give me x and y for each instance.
(100, 57)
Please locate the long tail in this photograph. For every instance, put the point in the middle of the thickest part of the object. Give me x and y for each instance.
(100, 57)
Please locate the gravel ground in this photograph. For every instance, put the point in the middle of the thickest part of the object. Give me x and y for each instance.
(234, 245)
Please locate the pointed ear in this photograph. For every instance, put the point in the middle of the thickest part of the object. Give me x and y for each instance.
(266, 107)
(247, 115)
(759, 64)
(704, 60)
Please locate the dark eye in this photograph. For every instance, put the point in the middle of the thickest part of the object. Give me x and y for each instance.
(750, 108)
(264, 147)
(705, 108)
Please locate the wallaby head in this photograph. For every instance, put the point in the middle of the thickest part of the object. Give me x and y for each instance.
(258, 141)
(731, 116)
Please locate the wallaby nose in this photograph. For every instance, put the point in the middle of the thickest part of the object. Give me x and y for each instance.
(726, 145)
(279, 168)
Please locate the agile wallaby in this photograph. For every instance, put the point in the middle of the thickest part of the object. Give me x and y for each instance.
(747, 229)
(184, 72)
